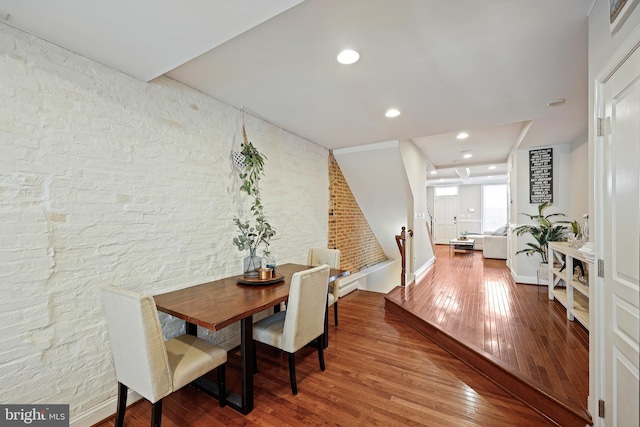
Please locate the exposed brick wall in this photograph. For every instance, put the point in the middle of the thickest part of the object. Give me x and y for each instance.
(349, 230)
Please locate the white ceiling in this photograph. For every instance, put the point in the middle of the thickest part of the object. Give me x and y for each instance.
(488, 67)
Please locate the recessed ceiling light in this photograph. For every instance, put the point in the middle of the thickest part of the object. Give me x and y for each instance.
(433, 172)
(392, 112)
(466, 154)
(492, 167)
(348, 57)
(490, 176)
(556, 102)
(462, 135)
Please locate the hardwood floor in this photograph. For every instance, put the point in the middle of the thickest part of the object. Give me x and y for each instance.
(511, 332)
(380, 371)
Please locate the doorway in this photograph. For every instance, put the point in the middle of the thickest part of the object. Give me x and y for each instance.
(445, 218)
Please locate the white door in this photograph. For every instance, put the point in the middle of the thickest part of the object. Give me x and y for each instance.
(446, 219)
(621, 244)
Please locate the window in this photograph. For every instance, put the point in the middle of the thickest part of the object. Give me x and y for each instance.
(494, 207)
(446, 191)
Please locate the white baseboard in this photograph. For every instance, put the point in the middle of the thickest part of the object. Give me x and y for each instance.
(527, 280)
(423, 269)
(102, 411)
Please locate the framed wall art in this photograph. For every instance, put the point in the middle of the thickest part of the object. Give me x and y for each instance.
(541, 175)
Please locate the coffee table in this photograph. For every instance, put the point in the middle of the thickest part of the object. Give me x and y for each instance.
(461, 245)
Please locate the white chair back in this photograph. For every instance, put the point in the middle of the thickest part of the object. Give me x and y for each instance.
(304, 317)
(137, 343)
(319, 256)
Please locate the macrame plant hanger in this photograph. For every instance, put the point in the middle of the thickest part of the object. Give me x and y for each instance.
(236, 157)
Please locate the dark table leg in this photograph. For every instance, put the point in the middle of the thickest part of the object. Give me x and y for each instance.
(325, 335)
(191, 329)
(246, 350)
(244, 402)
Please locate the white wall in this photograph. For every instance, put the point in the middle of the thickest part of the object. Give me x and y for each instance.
(579, 182)
(416, 170)
(108, 180)
(431, 199)
(524, 267)
(470, 197)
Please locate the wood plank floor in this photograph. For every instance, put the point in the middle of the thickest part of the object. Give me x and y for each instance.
(475, 301)
(380, 371)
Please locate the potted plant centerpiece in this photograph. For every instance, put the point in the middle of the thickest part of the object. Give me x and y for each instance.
(252, 235)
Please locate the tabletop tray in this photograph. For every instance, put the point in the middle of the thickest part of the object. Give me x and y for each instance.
(259, 282)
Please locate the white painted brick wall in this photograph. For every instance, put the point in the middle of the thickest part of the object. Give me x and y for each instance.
(108, 180)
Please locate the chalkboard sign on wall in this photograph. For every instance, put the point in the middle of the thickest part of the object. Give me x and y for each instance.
(541, 175)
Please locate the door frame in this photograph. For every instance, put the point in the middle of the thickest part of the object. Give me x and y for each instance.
(596, 313)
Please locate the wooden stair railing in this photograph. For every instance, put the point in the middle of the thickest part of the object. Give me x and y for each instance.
(401, 241)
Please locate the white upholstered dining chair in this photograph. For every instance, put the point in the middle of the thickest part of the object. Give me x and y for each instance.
(331, 257)
(301, 323)
(147, 364)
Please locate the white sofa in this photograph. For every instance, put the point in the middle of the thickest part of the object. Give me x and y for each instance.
(478, 240)
(494, 247)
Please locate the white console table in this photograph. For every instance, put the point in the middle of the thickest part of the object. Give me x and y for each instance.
(575, 295)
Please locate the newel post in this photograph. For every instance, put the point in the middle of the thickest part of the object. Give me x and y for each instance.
(401, 240)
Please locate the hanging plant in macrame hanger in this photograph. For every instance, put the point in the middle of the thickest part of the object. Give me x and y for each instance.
(250, 163)
(238, 158)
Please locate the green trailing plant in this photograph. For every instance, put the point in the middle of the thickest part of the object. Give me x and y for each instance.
(543, 232)
(251, 236)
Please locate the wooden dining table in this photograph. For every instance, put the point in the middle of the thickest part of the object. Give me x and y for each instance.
(218, 304)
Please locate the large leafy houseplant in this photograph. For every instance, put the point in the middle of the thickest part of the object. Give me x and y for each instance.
(261, 232)
(543, 232)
